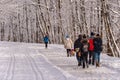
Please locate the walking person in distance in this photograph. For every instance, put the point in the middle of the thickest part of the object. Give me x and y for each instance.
(68, 45)
(46, 40)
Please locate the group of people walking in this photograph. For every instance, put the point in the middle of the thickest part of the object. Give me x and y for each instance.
(87, 49)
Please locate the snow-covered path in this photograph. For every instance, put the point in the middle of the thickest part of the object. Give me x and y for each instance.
(109, 70)
(23, 61)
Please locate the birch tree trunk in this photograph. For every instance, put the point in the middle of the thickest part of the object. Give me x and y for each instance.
(111, 41)
(30, 20)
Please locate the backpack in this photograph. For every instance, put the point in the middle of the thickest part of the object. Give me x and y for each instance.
(91, 45)
(85, 47)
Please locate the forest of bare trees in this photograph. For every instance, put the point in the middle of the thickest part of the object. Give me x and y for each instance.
(29, 20)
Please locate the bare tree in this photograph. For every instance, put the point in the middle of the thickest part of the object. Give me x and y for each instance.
(30, 20)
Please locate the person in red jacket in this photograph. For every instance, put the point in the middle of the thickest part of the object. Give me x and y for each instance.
(91, 49)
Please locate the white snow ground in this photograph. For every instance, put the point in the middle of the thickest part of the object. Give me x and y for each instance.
(23, 61)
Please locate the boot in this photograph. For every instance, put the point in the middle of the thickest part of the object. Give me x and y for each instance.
(97, 65)
(87, 65)
(79, 63)
(83, 65)
(93, 63)
(67, 55)
(89, 61)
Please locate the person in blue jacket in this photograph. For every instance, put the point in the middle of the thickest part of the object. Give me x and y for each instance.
(46, 40)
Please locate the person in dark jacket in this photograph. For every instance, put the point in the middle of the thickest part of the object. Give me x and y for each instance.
(97, 49)
(77, 46)
(84, 51)
(46, 40)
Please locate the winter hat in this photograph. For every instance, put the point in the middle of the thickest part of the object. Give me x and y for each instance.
(84, 36)
(67, 36)
(92, 34)
(97, 35)
(79, 36)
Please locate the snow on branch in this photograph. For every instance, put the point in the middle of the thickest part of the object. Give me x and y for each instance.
(115, 12)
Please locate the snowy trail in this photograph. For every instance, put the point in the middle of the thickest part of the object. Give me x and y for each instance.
(109, 70)
(23, 61)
